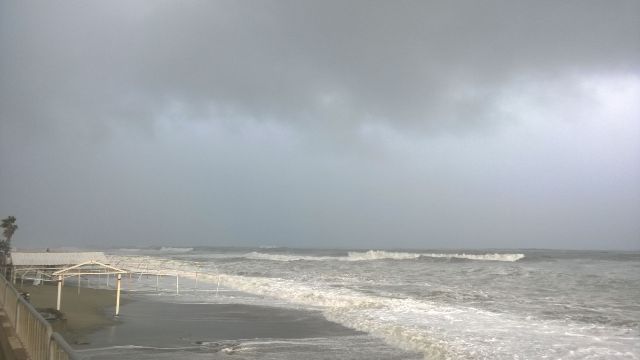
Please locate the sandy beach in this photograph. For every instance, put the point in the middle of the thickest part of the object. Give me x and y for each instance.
(84, 311)
(156, 328)
(192, 324)
(152, 329)
(88, 317)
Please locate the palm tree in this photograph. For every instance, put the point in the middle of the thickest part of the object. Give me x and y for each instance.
(9, 228)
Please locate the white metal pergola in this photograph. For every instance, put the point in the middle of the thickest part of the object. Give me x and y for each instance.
(89, 268)
(43, 264)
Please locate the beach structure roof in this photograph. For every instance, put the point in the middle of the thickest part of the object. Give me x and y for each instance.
(89, 268)
(55, 258)
(60, 265)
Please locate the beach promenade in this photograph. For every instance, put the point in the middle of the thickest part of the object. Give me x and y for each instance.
(10, 347)
(24, 333)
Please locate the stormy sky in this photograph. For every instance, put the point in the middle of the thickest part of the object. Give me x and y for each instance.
(368, 124)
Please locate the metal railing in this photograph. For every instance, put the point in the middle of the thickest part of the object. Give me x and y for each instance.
(35, 333)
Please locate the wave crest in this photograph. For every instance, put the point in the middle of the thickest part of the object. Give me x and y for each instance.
(254, 255)
(382, 255)
(486, 257)
(175, 249)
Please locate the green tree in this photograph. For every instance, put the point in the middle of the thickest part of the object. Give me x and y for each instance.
(9, 227)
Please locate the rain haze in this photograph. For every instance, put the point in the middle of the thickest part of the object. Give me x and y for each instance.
(363, 124)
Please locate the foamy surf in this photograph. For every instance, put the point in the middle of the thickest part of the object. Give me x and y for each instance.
(372, 255)
(480, 257)
(163, 249)
(338, 347)
(254, 255)
(436, 329)
(175, 249)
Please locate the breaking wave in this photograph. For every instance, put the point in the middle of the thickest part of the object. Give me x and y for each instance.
(163, 249)
(175, 249)
(382, 255)
(286, 257)
(437, 330)
(488, 257)
(128, 250)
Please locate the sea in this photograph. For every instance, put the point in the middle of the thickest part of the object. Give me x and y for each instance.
(413, 304)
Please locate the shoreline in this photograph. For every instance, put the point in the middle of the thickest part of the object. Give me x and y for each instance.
(156, 323)
(86, 319)
(154, 328)
(157, 328)
(82, 313)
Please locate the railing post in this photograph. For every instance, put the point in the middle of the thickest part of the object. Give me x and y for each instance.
(35, 333)
(17, 314)
(118, 295)
(51, 355)
(6, 288)
(59, 292)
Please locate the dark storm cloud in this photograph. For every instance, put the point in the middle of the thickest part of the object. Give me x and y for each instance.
(321, 123)
(326, 63)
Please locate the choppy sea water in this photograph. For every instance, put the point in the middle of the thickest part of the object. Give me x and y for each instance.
(526, 304)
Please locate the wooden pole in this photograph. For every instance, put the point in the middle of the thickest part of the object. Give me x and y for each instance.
(79, 284)
(59, 292)
(157, 281)
(177, 285)
(118, 296)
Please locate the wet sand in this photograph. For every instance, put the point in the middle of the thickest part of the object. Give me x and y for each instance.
(89, 321)
(153, 329)
(156, 329)
(163, 324)
(83, 312)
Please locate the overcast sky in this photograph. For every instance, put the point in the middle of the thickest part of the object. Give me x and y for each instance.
(368, 124)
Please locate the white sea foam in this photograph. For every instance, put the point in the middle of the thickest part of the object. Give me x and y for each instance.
(487, 257)
(163, 249)
(382, 255)
(287, 257)
(175, 249)
(115, 347)
(438, 330)
(355, 347)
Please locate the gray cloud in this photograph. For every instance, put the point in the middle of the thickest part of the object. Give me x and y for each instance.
(303, 62)
(359, 123)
